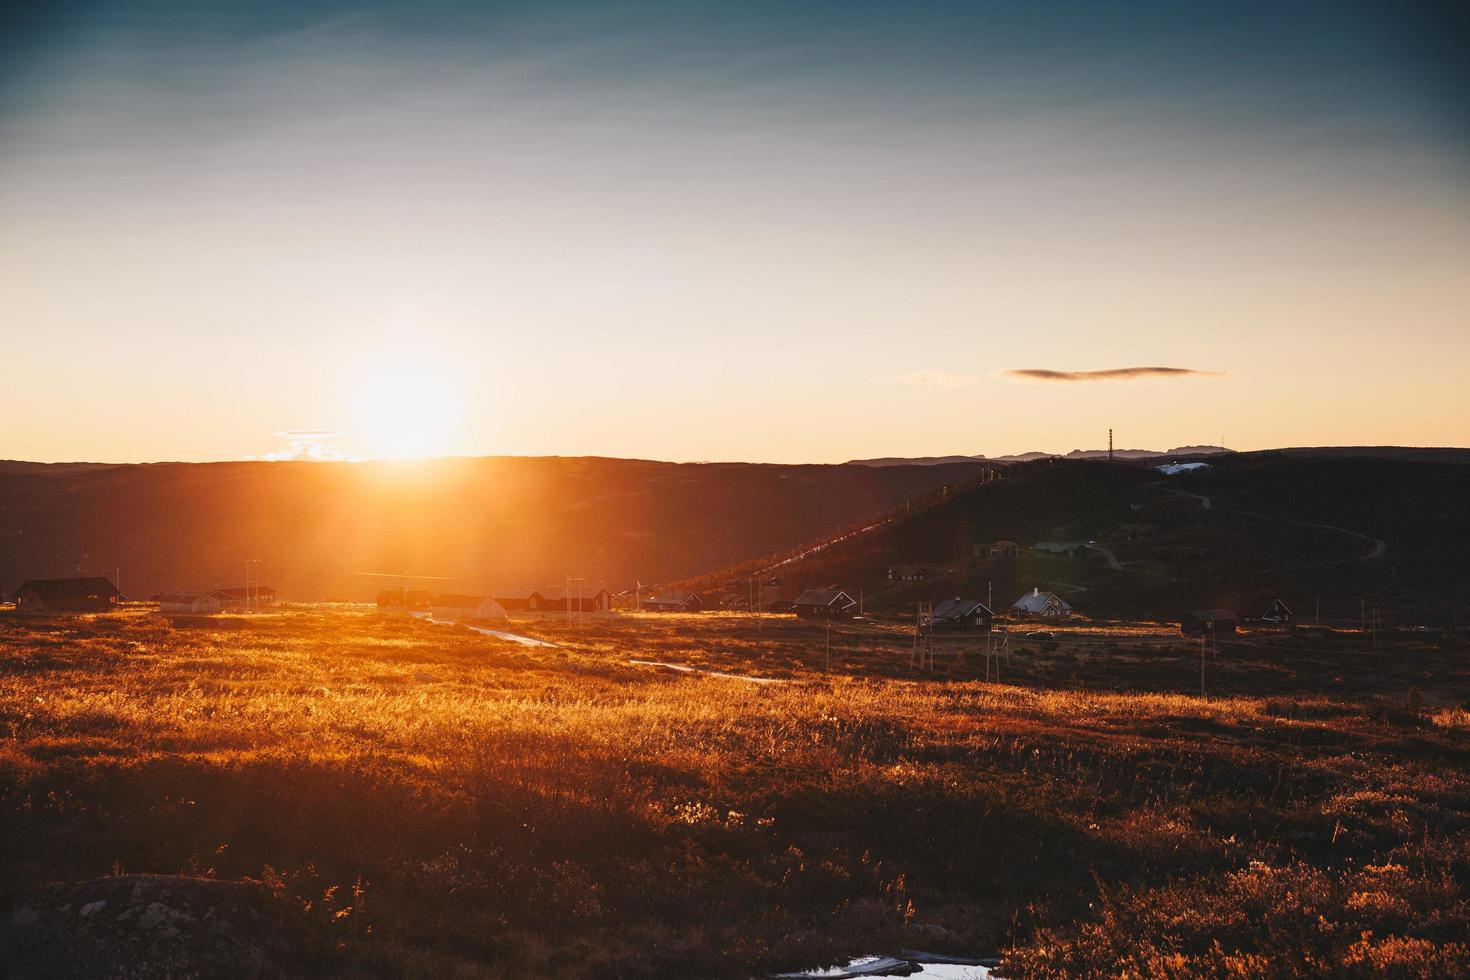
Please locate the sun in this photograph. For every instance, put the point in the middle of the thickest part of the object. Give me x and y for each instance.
(407, 402)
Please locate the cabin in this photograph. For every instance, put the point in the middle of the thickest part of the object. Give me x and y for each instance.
(1202, 622)
(43, 596)
(576, 598)
(1041, 605)
(907, 573)
(199, 603)
(1005, 549)
(674, 602)
(518, 600)
(452, 608)
(255, 597)
(824, 604)
(961, 616)
(410, 600)
(1278, 613)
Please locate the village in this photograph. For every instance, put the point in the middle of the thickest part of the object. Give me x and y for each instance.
(833, 605)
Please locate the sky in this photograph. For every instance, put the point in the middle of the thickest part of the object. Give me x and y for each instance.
(796, 232)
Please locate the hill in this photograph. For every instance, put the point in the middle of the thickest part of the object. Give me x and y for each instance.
(478, 522)
(1342, 534)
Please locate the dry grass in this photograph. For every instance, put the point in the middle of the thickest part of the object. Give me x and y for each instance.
(432, 800)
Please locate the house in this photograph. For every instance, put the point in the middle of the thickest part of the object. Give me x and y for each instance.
(576, 598)
(188, 602)
(674, 602)
(1278, 613)
(1041, 605)
(824, 604)
(253, 598)
(961, 616)
(1005, 549)
(410, 600)
(452, 608)
(41, 596)
(906, 573)
(517, 600)
(1200, 622)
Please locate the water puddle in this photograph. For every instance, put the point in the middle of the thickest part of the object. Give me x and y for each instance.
(911, 962)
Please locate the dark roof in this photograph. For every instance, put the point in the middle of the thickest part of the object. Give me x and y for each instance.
(69, 588)
(1213, 614)
(825, 597)
(515, 593)
(460, 601)
(960, 608)
(575, 592)
(672, 598)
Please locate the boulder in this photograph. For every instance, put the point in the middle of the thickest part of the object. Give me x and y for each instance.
(144, 926)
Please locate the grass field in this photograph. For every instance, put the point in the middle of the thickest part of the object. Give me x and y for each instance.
(425, 799)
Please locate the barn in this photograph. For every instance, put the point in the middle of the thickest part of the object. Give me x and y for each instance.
(1200, 622)
(452, 608)
(188, 602)
(1041, 605)
(961, 616)
(518, 599)
(41, 596)
(412, 600)
(674, 602)
(576, 598)
(824, 604)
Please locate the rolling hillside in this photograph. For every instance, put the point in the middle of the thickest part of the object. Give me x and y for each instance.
(477, 522)
(1348, 533)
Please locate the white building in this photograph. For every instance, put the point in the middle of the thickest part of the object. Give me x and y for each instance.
(1041, 605)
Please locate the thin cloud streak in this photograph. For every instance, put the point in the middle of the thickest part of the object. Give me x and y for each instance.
(941, 380)
(1109, 374)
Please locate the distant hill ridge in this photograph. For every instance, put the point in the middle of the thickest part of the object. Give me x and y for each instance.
(1028, 457)
(1426, 454)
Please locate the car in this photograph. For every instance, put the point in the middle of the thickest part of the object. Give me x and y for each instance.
(1041, 635)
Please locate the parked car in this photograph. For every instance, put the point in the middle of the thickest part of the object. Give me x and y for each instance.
(1041, 635)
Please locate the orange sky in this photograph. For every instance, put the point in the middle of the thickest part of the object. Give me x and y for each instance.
(796, 239)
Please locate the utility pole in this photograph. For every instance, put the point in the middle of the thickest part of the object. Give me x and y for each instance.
(117, 579)
(248, 563)
(1202, 666)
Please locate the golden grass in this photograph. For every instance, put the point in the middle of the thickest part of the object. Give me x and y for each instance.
(432, 800)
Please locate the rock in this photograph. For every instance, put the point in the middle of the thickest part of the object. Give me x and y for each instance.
(155, 925)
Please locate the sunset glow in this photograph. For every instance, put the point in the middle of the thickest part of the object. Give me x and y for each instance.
(407, 403)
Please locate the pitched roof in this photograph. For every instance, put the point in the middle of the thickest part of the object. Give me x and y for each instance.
(671, 598)
(1036, 601)
(574, 592)
(516, 593)
(69, 588)
(825, 597)
(960, 608)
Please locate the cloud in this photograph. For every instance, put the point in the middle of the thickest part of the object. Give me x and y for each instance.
(1109, 374)
(308, 444)
(941, 380)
